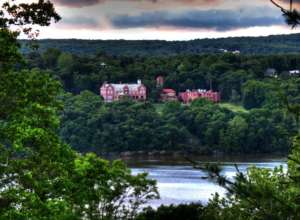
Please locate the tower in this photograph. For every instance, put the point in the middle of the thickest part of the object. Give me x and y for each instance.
(159, 82)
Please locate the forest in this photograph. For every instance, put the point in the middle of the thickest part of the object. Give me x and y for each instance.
(261, 126)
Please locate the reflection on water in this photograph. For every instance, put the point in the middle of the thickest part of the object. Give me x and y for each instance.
(180, 183)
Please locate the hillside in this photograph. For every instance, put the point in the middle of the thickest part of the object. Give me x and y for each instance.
(247, 45)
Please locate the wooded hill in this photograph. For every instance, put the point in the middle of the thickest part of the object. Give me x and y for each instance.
(276, 44)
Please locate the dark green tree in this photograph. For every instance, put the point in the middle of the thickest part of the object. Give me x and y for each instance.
(23, 16)
(39, 173)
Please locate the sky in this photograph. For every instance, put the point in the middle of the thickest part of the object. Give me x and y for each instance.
(166, 19)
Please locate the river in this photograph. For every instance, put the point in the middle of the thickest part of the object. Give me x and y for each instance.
(178, 182)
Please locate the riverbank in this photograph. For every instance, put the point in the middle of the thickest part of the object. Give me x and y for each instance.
(181, 158)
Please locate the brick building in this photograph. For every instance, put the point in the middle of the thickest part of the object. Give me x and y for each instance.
(189, 96)
(168, 95)
(114, 92)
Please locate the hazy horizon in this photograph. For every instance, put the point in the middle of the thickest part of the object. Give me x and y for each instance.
(207, 38)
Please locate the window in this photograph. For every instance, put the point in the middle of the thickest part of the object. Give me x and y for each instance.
(126, 90)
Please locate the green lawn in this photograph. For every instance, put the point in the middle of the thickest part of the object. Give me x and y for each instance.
(159, 107)
(234, 107)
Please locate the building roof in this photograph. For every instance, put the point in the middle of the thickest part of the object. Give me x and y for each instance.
(169, 90)
(119, 88)
(270, 71)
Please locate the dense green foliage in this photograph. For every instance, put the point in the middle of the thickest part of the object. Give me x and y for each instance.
(277, 44)
(190, 212)
(88, 124)
(238, 78)
(39, 173)
(40, 176)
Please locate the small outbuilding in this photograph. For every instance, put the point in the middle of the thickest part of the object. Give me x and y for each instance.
(168, 95)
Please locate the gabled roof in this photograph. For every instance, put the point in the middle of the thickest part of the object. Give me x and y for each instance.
(120, 87)
(169, 90)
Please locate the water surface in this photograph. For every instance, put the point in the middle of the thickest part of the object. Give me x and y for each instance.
(178, 182)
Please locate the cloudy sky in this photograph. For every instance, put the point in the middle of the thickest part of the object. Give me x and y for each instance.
(165, 19)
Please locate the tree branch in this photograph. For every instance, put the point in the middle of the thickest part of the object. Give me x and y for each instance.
(279, 6)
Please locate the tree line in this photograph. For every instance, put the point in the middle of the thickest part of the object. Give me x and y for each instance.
(277, 44)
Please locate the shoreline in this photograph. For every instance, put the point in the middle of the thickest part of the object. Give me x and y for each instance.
(178, 157)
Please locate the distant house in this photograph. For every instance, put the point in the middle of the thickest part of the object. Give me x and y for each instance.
(223, 50)
(168, 95)
(294, 72)
(189, 96)
(271, 72)
(114, 92)
(236, 52)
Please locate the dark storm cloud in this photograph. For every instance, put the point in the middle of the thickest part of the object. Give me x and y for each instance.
(288, 1)
(85, 3)
(77, 3)
(221, 20)
(79, 23)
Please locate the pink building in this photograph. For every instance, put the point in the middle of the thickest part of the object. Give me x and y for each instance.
(168, 95)
(189, 96)
(114, 92)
